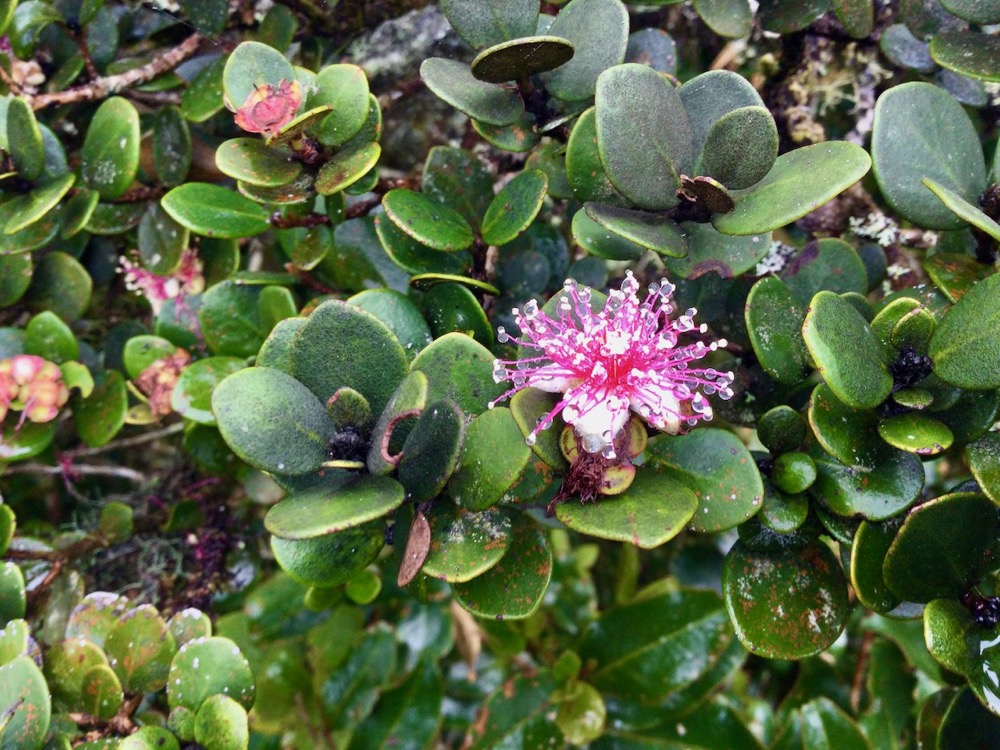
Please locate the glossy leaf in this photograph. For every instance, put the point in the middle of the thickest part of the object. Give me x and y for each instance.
(943, 548)
(514, 587)
(514, 207)
(718, 468)
(846, 352)
(110, 156)
(785, 604)
(799, 182)
(214, 211)
(651, 512)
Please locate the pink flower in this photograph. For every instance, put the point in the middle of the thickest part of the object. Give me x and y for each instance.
(183, 282)
(33, 386)
(626, 357)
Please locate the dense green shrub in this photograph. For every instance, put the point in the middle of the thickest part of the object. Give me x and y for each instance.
(613, 375)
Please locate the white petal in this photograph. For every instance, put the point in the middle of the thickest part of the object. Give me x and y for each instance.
(599, 420)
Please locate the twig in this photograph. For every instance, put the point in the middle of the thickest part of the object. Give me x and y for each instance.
(103, 87)
(858, 683)
(121, 472)
(88, 61)
(146, 437)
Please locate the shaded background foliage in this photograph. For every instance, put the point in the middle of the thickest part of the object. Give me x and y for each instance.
(253, 494)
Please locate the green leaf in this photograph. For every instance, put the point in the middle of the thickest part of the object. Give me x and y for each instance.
(584, 170)
(710, 96)
(728, 18)
(785, 603)
(651, 512)
(205, 667)
(24, 140)
(207, 16)
(110, 155)
(492, 460)
(920, 132)
(720, 471)
(214, 211)
(203, 98)
(149, 738)
(259, 409)
(600, 242)
(965, 347)
(648, 230)
(346, 168)
(463, 544)
(786, 18)
(972, 54)
(482, 23)
(520, 58)
(322, 511)
(453, 82)
(514, 207)
(846, 352)
(799, 182)
(408, 716)
(24, 695)
(452, 307)
(857, 16)
(171, 146)
(248, 159)
(101, 691)
(518, 715)
(401, 315)
(848, 434)
(882, 492)
(740, 148)
(710, 251)
(221, 724)
(827, 264)
(342, 345)
(871, 544)
(459, 369)
(26, 442)
(984, 461)
(345, 88)
(645, 650)
(432, 450)
(230, 320)
(428, 222)
(774, 324)
(963, 209)
(916, 433)
(514, 587)
(101, 415)
(456, 178)
(142, 351)
(253, 65)
(139, 648)
(60, 284)
(192, 394)
(49, 337)
(598, 30)
(643, 135)
(162, 241)
(827, 727)
(349, 693)
(943, 548)
(333, 559)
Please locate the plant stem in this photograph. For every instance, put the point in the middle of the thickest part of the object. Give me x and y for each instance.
(101, 88)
